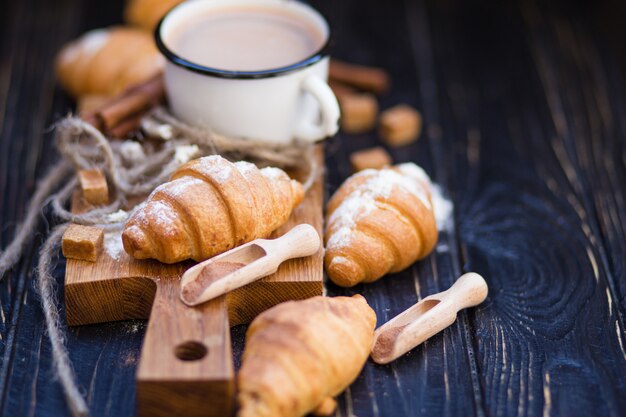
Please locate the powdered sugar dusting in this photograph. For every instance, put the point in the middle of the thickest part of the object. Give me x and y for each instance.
(339, 260)
(341, 237)
(362, 201)
(415, 171)
(245, 167)
(273, 173)
(221, 173)
(93, 40)
(218, 168)
(179, 186)
(162, 217)
(442, 208)
(358, 204)
(113, 244)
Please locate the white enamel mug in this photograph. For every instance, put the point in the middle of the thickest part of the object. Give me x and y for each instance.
(276, 106)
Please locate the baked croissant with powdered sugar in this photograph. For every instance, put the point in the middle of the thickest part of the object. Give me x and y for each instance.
(379, 222)
(210, 205)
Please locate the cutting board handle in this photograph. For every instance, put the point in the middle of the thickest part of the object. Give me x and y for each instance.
(186, 363)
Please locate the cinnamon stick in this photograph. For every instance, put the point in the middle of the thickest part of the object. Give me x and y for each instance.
(125, 127)
(367, 78)
(122, 114)
(134, 101)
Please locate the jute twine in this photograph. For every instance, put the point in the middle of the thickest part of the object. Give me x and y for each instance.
(132, 169)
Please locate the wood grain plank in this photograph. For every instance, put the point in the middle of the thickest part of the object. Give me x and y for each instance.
(539, 207)
(595, 168)
(546, 343)
(170, 382)
(436, 378)
(26, 107)
(35, 31)
(9, 310)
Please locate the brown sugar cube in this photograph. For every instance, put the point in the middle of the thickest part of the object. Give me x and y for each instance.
(358, 112)
(375, 158)
(400, 125)
(94, 186)
(82, 242)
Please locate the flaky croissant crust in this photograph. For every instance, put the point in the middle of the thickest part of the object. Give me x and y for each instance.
(209, 206)
(300, 354)
(104, 62)
(379, 222)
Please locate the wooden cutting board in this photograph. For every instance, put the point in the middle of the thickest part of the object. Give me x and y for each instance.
(186, 365)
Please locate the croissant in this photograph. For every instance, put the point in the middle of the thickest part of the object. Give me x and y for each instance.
(300, 354)
(209, 206)
(378, 222)
(147, 13)
(106, 61)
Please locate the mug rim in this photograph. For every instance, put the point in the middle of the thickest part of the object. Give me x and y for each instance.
(179, 61)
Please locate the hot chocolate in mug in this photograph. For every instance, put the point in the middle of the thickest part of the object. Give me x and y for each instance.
(254, 69)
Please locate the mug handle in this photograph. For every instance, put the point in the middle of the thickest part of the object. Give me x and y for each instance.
(310, 132)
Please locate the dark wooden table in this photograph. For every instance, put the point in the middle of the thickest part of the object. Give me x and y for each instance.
(525, 111)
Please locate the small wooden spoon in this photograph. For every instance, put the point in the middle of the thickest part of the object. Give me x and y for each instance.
(427, 318)
(245, 264)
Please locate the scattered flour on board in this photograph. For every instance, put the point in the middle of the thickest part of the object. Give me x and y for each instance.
(380, 185)
(135, 326)
(113, 244)
(443, 248)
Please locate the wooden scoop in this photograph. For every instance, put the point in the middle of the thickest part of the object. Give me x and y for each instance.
(427, 318)
(245, 264)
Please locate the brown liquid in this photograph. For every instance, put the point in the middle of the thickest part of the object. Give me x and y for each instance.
(246, 39)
